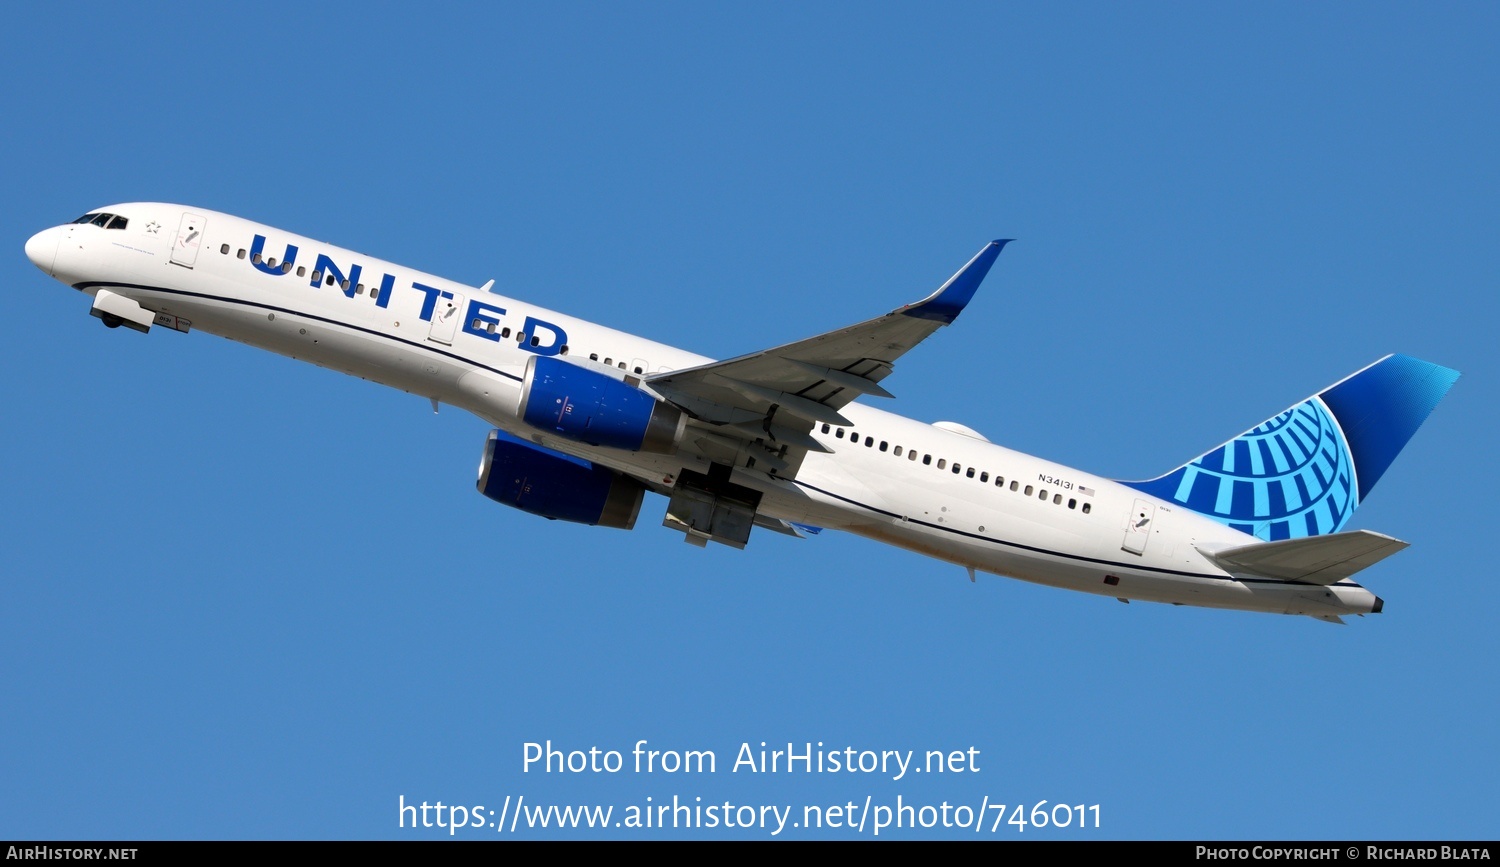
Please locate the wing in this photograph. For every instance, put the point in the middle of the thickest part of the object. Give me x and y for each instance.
(768, 401)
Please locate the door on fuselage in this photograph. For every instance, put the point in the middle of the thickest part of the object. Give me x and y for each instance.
(189, 239)
(1138, 528)
(445, 319)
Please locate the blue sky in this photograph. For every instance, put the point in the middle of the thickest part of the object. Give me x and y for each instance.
(250, 598)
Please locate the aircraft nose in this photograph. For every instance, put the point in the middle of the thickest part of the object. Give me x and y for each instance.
(41, 249)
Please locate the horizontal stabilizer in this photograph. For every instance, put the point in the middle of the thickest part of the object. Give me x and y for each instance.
(1311, 559)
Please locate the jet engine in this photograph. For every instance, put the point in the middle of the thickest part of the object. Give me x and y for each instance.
(598, 407)
(555, 485)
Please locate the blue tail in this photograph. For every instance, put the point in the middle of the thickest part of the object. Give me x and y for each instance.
(1304, 472)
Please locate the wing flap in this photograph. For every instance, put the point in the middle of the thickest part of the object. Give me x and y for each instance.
(1311, 559)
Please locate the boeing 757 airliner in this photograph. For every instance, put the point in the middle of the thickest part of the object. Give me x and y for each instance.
(589, 419)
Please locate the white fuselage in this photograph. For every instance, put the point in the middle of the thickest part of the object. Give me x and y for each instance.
(1002, 512)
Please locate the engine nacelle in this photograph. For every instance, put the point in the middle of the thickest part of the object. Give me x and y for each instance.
(595, 407)
(555, 485)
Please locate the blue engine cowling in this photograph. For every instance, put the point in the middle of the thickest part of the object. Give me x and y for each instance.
(593, 407)
(555, 485)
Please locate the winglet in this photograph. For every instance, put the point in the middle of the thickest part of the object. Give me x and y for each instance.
(945, 304)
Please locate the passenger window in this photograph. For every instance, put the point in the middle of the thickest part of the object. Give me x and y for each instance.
(621, 365)
(329, 280)
(505, 332)
(240, 254)
(983, 477)
(825, 427)
(520, 337)
(911, 455)
(1057, 499)
(255, 258)
(1072, 503)
(1042, 495)
(970, 473)
(1014, 485)
(942, 463)
(883, 444)
(839, 433)
(301, 270)
(563, 350)
(869, 441)
(926, 460)
(359, 289)
(533, 343)
(594, 356)
(317, 276)
(478, 324)
(1087, 507)
(897, 451)
(224, 248)
(490, 327)
(999, 481)
(271, 263)
(609, 362)
(1028, 490)
(344, 285)
(956, 468)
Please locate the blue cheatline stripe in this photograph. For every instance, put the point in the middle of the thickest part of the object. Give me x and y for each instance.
(290, 312)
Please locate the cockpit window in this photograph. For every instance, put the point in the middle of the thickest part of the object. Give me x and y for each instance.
(102, 220)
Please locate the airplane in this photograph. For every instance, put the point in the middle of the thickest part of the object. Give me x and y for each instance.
(588, 419)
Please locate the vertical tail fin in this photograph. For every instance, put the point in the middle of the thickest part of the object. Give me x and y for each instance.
(1303, 472)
